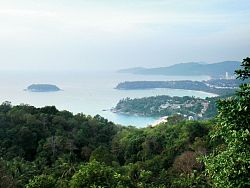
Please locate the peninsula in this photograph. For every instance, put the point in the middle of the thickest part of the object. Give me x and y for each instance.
(216, 86)
(163, 105)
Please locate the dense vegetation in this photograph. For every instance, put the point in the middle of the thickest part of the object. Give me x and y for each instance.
(229, 164)
(220, 87)
(44, 147)
(164, 105)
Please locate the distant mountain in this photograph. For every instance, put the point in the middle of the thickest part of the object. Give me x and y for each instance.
(189, 69)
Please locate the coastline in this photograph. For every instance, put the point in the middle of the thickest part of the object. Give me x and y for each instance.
(211, 87)
(163, 119)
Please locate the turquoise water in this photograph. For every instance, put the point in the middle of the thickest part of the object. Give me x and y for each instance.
(90, 93)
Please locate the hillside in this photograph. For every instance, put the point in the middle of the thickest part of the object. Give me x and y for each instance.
(45, 147)
(189, 69)
(163, 105)
(219, 87)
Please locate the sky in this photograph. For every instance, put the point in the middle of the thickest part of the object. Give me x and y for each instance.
(113, 34)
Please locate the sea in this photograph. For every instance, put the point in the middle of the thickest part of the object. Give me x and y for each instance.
(87, 92)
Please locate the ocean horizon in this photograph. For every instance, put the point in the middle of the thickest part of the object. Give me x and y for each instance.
(90, 93)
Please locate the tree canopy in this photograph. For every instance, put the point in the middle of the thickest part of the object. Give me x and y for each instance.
(229, 164)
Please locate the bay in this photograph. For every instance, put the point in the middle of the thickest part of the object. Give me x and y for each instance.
(87, 92)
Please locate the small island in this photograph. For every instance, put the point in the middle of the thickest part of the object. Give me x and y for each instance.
(42, 88)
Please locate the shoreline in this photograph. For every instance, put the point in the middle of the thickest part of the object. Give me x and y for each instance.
(209, 93)
(211, 88)
(163, 119)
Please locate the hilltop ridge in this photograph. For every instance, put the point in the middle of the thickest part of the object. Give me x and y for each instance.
(189, 69)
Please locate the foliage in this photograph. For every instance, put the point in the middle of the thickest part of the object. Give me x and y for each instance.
(164, 105)
(94, 174)
(36, 141)
(244, 73)
(46, 146)
(229, 164)
(45, 181)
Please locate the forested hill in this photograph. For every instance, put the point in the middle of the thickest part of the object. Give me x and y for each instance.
(216, 86)
(44, 147)
(163, 105)
(189, 69)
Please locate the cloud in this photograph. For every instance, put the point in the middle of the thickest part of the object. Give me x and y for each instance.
(92, 19)
(137, 32)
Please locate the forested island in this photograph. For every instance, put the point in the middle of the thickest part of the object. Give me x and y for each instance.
(48, 148)
(216, 86)
(43, 88)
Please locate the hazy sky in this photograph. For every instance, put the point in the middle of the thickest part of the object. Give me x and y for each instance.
(103, 34)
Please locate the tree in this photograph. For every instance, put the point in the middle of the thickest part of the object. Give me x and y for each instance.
(229, 164)
(6, 180)
(103, 155)
(44, 181)
(5, 107)
(94, 174)
(244, 73)
(186, 162)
